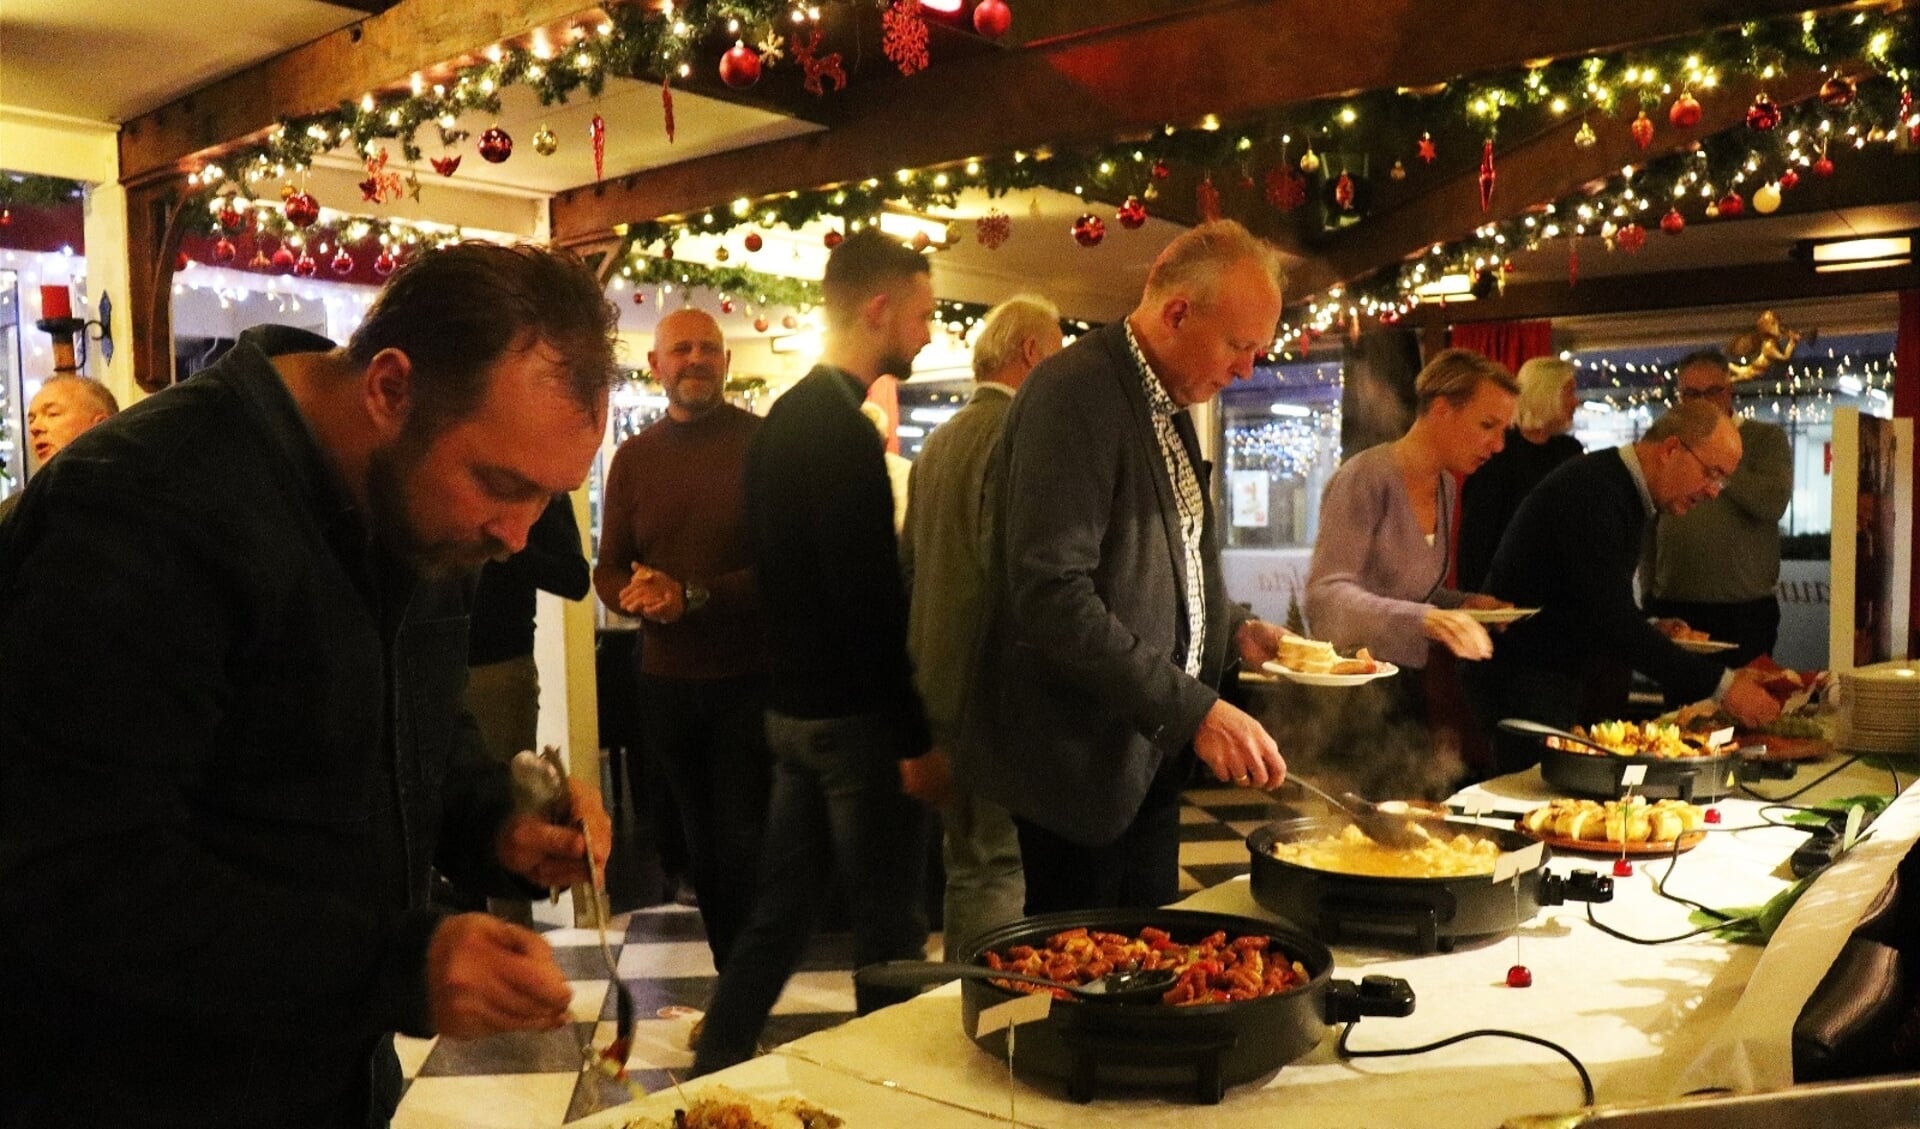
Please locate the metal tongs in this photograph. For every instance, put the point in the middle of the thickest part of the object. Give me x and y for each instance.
(540, 788)
(1390, 823)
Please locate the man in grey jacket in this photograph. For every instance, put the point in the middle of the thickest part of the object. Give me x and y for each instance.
(943, 552)
(1109, 625)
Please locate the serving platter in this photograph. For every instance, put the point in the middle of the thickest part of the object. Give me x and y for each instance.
(1704, 646)
(1385, 670)
(1499, 615)
(1686, 843)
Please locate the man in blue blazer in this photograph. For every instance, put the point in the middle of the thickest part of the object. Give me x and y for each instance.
(1109, 624)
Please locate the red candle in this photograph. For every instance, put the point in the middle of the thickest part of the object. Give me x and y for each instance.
(55, 302)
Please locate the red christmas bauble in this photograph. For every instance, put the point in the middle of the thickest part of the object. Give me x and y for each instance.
(304, 266)
(992, 18)
(231, 218)
(282, 259)
(1823, 167)
(1519, 976)
(1642, 130)
(740, 66)
(754, 242)
(181, 261)
(383, 263)
(301, 209)
(496, 145)
(726, 305)
(1632, 237)
(1089, 230)
(1685, 111)
(224, 251)
(1838, 93)
(666, 253)
(342, 262)
(833, 239)
(1673, 223)
(760, 324)
(1788, 180)
(1763, 115)
(1160, 170)
(639, 298)
(1732, 205)
(1132, 214)
(789, 322)
(1711, 815)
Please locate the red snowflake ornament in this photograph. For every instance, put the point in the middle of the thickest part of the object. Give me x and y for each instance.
(904, 36)
(1286, 189)
(993, 229)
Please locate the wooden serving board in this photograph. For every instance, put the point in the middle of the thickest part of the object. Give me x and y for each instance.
(1687, 842)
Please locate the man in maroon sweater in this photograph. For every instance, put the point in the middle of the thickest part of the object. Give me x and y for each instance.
(673, 551)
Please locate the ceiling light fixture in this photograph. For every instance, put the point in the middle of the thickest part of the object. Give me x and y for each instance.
(907, 227)
(1868, 253)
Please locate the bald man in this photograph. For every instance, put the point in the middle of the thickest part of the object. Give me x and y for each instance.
(64, 408)
(674, 552)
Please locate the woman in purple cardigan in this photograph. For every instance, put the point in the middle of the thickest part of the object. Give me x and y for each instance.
(1380, 563)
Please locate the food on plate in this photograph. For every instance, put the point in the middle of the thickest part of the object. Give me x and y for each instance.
(1311, 656)
(1678, 631)
(1213, 970)
(1351, 852)
(1642, 739)
(719, 1107)
(1633, 820)
(1798, 692)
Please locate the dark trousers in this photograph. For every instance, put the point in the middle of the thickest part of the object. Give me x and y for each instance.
(1497, 691)
(1139, 869)
(1754, 624)
(708, 738)
(837, 805)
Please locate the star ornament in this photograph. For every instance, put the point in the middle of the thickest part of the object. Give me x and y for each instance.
(1425, 149)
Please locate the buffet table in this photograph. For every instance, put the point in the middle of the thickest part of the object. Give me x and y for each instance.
(1648, 1021)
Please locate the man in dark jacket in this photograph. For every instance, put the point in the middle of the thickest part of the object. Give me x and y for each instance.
(1571, 551)
(1111, 627)
(214, 872)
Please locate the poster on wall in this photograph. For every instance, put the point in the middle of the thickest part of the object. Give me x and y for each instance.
(1248, 489)
(1872, 538)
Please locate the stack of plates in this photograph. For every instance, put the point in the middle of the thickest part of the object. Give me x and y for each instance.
(1881, 709)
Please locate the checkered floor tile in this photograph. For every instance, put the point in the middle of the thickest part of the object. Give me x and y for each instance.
(533, 1081)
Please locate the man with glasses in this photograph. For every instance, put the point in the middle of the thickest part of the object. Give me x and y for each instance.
(1571, 551)
(1716, 566)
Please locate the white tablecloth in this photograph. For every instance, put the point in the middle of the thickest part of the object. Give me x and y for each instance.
(1649, 1022)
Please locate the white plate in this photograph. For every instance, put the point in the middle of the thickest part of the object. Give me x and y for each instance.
(1704, 646)
(1499, 615)
(1386, 670)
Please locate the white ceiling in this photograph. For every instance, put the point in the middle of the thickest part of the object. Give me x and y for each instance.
(112, 60)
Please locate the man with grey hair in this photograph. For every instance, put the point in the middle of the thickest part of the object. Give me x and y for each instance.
(1571, 552)
(65, 407)
(1109, 627)
(1715, 567)
(943, 554)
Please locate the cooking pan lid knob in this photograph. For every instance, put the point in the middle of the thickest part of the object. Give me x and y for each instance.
(1347, 1002)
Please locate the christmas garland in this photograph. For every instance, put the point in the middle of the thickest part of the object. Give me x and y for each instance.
(17, 191)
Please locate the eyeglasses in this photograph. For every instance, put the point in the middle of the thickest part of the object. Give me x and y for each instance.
(1715, 476)
(1705, 393)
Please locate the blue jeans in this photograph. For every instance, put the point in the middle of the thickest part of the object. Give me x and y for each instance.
(837, 807)
(709, 738)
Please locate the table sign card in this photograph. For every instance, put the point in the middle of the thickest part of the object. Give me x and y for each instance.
(1720, 737)
(1633, 775)
(1855, 815)
(1511, 863)
(1029, 1008)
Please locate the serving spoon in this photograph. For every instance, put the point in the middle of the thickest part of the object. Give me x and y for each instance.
(1390, 823)
(1143, 985)
(1525, 728)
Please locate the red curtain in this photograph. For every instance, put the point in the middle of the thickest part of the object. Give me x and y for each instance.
(1906, 405)
(1512, 343)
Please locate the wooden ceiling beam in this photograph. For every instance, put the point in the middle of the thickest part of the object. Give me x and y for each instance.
(1548, 166)
(373, 54)
(1234, 60)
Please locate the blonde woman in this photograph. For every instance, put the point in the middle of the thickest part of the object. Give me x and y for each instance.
(1537, 442)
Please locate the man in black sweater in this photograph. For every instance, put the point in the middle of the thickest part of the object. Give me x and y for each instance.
(1571, 552)
(848, 734)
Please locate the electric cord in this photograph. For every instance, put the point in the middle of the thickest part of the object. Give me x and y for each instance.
(1797, 792)
(1586, 1080)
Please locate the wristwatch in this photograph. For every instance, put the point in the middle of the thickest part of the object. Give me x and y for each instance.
(694, 597)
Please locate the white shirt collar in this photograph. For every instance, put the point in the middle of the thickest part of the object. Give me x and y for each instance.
(1630, 456)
